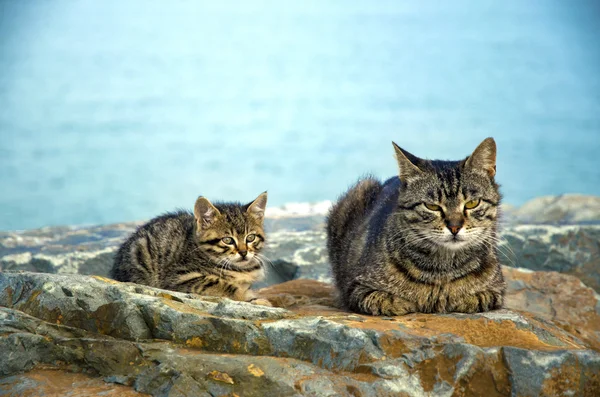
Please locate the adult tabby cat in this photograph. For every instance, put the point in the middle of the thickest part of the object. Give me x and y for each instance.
(214, 251)
(423, 242)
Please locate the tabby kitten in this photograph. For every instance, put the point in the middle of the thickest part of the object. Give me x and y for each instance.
(423, 242)
(214, 251)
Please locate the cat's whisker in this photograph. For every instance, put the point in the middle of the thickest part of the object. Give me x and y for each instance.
(266, 262)
(414, 240)
(506, 245)
(501, 244)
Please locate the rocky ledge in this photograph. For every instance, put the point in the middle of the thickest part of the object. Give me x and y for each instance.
(66, 330)
(62, 330)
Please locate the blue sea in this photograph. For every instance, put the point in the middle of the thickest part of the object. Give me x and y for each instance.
(114, 111)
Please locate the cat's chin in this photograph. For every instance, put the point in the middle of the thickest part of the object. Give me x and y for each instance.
(454, 244)
(245, 262)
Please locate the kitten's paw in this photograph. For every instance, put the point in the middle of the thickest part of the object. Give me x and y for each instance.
(260, 301)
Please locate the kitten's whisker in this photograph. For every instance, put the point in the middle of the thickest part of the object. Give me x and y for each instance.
(224, 264)
(265, 262)
(262, 263)
(264, 258)
(220, 264)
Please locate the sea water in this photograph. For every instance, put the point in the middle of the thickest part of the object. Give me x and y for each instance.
(113, 111)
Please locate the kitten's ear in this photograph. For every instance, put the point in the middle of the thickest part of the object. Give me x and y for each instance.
(204, 212)
(257, 207)
(406, 162)
(484, 157)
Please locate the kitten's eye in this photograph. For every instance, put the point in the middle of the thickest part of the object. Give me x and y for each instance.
(433, 207)
(250, 238)
(472, 204)
(227, 240)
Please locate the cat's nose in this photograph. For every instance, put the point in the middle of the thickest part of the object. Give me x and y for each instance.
(243, 253)
(454, 226)
(454, 229)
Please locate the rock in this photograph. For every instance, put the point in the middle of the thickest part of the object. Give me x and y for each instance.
(52, 382)
(572, 250)
(296, 223)
(171, 344)
(556, 297)
(71, 250)
(564, 209)
(278, 271)
(60, 328)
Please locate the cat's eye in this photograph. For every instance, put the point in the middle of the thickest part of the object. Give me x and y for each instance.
(472, 204)
(250, 238)
(433, 207)
(227, 240)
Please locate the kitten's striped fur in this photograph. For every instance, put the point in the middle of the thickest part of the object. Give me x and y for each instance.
(412, 244)
(214, 251)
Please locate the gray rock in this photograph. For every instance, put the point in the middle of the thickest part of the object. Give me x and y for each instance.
(570, 249)
(172, 344)
(192, 345)
(332, 345)
(246, 311)
(566, 209)
(538, 373)
(278, 271)
(71, 250)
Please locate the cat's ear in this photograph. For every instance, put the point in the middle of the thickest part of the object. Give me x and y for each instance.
(204, 212)
(257, 207)
(406, 162)
(484, 157)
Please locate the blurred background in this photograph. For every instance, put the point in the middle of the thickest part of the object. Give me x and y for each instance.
(114, 111)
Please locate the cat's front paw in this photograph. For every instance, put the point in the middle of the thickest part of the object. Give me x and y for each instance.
(480, 302)
(260, 301)
(382, 303)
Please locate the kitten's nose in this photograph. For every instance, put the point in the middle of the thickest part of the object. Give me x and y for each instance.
(243, 253)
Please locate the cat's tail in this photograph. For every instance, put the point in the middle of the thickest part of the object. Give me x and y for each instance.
(349, 210)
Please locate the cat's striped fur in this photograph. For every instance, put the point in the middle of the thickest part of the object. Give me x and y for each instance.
(423, 242)
(214, 251)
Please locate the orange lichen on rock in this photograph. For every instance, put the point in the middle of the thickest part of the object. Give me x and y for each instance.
(54, 382)
(106, 280)
(195, 342)
(557, 297)
(254, 370)
(480, 332)
(220, 377)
